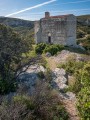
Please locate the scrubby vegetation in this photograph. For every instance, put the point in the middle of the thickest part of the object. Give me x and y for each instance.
(11, 60)
(83, 31)
(43, 105)
(81, 72)
(44, 48)
(85, 43)
(40, 48)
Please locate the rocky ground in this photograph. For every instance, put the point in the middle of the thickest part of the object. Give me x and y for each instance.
(64, 56)
(59, 82)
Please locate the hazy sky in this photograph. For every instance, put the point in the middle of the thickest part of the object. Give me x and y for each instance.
(34, 9)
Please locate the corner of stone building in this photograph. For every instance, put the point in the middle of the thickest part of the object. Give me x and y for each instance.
(37, 31)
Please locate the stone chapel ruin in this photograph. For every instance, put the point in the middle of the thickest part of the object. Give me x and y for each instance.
(56, 29)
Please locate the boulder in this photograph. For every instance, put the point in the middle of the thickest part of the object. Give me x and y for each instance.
(48, 54)
(62, 86)
(59, 72)
(59, 79)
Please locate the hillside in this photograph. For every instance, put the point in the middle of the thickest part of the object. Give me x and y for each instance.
(15, 22)
(23, 27)
(84, 16)
(83, 31)
(42, 82)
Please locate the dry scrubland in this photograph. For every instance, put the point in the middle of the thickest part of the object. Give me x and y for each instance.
(43, 82)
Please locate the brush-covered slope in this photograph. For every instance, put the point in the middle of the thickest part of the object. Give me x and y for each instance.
(21, 26)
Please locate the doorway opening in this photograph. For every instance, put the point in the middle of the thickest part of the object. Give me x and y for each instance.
(49, 39)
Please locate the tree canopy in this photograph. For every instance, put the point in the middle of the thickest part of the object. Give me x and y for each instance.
(11, 48)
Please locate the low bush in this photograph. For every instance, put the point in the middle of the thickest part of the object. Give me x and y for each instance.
(83, 95)
(53, 49)
(71, 66)
(44, 104)
(7, 86)
(39, 48)
(44, 48)
(81, 71)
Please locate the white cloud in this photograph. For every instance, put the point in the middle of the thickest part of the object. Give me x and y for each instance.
(30, 8)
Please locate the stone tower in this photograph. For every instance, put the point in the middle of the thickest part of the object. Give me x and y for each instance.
(56, 29)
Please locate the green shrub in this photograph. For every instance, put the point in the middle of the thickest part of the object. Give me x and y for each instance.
(7, 86)
(25, 100)
(71, 66)
(53, 49)
(84, 103)
(11, 61)
(39, 48)
(44, 48)
(84, 94)
(81, 71)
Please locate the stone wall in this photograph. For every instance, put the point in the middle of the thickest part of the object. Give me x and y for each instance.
(71, 30)
(61, 30)
(37, 30)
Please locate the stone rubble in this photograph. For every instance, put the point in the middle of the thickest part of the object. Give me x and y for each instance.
(30, 78)
(59, 80)
(27, 79)
(63, 56)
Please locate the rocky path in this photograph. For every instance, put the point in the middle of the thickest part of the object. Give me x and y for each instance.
(71, 109)
(70, 105)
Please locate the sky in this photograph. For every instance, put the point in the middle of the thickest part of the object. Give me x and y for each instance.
(35, 9)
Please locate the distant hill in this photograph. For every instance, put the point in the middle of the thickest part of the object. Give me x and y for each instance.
(83, 19)
(14, 22)
(83, 31)
(19, 25)
(23, 27)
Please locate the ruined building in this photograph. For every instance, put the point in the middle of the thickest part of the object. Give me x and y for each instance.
(56, 29)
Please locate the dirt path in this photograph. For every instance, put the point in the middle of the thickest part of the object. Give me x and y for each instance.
(71, 109)
(70, 105)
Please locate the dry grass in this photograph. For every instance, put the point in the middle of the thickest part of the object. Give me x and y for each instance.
(51, 63)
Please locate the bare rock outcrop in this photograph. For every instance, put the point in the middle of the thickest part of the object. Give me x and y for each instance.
(59, 79)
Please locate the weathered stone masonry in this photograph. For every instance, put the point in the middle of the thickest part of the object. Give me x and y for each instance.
(56, 29)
